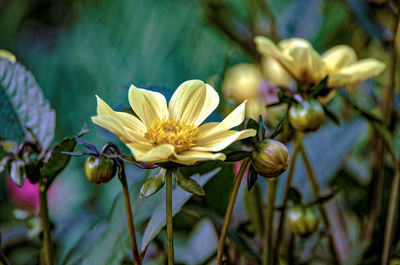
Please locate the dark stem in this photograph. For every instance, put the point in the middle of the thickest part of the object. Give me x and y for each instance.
(312, 178)
(279, 231)
(291, 249)
(229, 210)
(269, 222)
(168, 212)
(45, 220)
(129, 216)
(3, 258)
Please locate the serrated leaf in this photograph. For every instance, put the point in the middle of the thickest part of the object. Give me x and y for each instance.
(251, 177)
(279, 127)
(237, 156)
(261, 129)
(294, 195)
(188, 184)
(22, 105)
(17, 172)
(57, 161)
(180, 197)
(318, 88)
(153, 184)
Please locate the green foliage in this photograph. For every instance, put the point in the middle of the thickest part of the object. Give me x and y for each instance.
(153, 184)
(23, 106)
(188, 184)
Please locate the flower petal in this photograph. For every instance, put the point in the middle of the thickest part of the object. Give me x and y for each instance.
(339, 56)
(148, 105)
(125, 119)
(116, 127)
(221, 140)
(193, 102)
(235, 118)
(156, 154)
(192, 157)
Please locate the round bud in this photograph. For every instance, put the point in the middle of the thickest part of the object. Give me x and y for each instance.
(307, 116)
(303, 221)
(99, 169)
(270, 159)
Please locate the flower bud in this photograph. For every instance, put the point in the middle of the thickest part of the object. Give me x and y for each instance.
(99, 169)
(270, 159)
(303, 221)
(307, 116)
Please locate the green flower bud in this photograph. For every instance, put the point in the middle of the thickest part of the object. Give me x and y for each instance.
(303, 221)
(99, 169)
(307, 116)
(270, 159)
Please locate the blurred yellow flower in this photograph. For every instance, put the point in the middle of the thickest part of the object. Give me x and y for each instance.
(8, 55)
(305, 65)
(174, 132)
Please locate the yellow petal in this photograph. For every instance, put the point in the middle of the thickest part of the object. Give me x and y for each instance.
(221, 140)
(267, 48)
(193, 102)
(148, 105)
(125, 119)
(289, 44)
(8, 55)
(115, 126)
(275, 73)
(235, 118)
(157, 154)
(192, 157)
(339, 56)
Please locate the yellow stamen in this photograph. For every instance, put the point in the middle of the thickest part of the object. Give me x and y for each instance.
(171, 131)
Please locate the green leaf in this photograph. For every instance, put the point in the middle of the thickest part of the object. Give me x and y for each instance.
(261, 129)
(153, 184)
(331, 115)
(188, 184)
(251, 177)
(180, 197)
(252, 124)
(23, 106)
(318, 88)
(17, 172)
(253, 201)
(279, 127)
(56, 161)
(294, 195)
(325, 198)
(237, 156)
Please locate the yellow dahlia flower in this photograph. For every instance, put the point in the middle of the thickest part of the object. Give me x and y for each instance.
(173, 133)
(306, 66)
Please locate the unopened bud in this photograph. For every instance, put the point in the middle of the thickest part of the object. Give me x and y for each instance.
(303, 221)
(99, 169)
(307, 116)
(270, 159)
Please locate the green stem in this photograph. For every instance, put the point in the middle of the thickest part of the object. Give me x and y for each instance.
(291, 249)
(170, 237)
(129, 216)
(45, 220)
(229, 210)
(391, 215)
(268, 255)
(312, 178)
(288, 183)
(3, 258)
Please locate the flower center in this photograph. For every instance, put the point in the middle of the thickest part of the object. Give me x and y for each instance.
(172, 131)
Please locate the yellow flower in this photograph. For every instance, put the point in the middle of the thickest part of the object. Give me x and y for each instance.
(306, 66)
(7, 55)
(173, 133)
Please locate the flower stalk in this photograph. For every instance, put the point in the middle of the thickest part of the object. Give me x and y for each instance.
(45, 221)
(229, 210)
(168, 209)
(268, 255)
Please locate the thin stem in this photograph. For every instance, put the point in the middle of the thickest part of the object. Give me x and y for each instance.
(291, 249)
(129, 216)
(288, 183)
(391, 215)
(269, 222)
(3, 258)
(170, 237)
(229, 210)
(312, 178)
(45, 220)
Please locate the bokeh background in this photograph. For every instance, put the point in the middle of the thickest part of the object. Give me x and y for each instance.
(77, 49)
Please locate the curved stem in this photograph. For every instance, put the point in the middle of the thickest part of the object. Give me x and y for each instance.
(129, 216)
(269, 222)
(391, 215)
(45, 220)
(288, 183)
(3, 258)
(312, 178)
(229, 210)
(170, 237)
